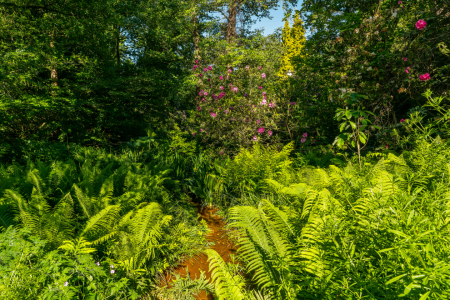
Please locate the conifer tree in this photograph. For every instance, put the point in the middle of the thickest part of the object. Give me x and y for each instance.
(293, 44)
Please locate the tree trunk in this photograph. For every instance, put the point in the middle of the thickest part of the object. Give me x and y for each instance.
(197, 57)
(232, 19)
(53, 72)
(118, 46)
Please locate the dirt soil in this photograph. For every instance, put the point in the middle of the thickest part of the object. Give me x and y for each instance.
(222, 245)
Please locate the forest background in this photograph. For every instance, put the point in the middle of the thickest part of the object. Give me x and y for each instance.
(118, 110)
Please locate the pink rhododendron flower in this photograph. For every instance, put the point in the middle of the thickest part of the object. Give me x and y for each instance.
(221, 152)
(271, 105)
(200, 75)
(399, 2)
(199, 108)
(263, 75)
(196, 61)
(421, 24)
(225, 111)
(261, 130)
(387, 146)
(259, 67)
(408, 68)
(424, 77)
(247, 67)
(402, 120)
(235, 89)
(194, 133)
(264, 93)
(221, 77)
(200, 93)
(305, 135)
(228, 77)
(405, 59)
(292, 103)
(269, 132)
(231, 108)
(230, 71)
(210, 68)
(209, 79)
(195, 67)
(260, 87)
(196, 75)
(303, 140)
(406, 71)
(264, 102)
(201, 130)
(113, 271)
(203, 99)
(221, 87)
(205, 69)
(258, 121)
(245, 120)
(255, 138)
(205, 93)
(213, 114)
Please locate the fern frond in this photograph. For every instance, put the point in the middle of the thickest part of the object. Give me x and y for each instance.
(102, 221)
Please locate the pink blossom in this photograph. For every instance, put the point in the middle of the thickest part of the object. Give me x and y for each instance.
(231, 108)
(235, 89)
(203, 99)
(258, 121)
(195, 67)
(405, 59)
(402, 120)
(228, 77)
(424, 77)
(213, 114)
(205, 69)
(230, 71)
(245, 95)
(271, 105)
(406, 71)
(210, 68)
(259, 67)
(209, 79)
(264, 93)
(201, 93)
(261, 130)
(195, 74)
(194, 133)
(225, 111)
(421, 24)
(245, 120)
(292, 103)
(221, 87)
(201, 130)
(221, 77)
(303, 140)
(221, 152)
(399, 2)
(255, 138)
(264, 102)
(265, 97)
(408, 68)
(269, 132)
(260, 88)
(263, 75)
(305, 135)
(409, 77)
(247, 67)
(205, 93)
(97, 263)
(196, 61)
(113, 271)
(66, 283)
(199, 108)
(387, 146)
(200, 75)
(231, 84)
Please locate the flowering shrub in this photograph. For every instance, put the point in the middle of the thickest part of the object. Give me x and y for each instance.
(236, 109)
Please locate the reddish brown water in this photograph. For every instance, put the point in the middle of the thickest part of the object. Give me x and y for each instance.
(222, 245)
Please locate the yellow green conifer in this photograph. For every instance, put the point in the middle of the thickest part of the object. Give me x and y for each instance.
(294, 45)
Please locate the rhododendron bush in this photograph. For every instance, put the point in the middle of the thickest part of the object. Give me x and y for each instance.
(390, 51)
(236, 107)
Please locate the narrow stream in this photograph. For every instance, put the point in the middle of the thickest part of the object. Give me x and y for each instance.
(222, 245)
